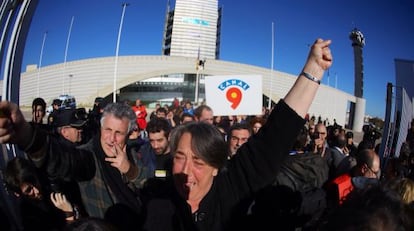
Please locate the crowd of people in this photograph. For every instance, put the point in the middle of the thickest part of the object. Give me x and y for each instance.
(180, 167)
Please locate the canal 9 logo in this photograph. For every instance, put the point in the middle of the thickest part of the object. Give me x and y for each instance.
(233, 89)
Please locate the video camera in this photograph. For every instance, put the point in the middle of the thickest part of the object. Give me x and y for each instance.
(371, 133)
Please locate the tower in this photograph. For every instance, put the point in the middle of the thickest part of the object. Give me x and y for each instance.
(357, 110)
(358, 42)
(192, 29)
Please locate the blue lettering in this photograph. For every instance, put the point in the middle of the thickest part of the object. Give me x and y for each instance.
(233, 82)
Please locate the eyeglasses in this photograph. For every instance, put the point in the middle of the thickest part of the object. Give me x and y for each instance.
(376, 173)
(317, 134)
(28, 190)
(77, 128)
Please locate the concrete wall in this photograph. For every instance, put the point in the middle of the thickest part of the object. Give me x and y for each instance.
(95, 77)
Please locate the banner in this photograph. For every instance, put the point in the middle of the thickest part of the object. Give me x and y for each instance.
(405, 121)
(234, 94)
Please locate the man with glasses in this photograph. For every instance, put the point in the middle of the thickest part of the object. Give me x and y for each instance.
(366, 172)
(320, 144)
(368, 164)
(69, 126)
(238, 135)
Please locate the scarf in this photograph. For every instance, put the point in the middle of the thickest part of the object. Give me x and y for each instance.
(114, 180)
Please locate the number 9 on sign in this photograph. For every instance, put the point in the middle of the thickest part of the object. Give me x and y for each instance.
(234, 96)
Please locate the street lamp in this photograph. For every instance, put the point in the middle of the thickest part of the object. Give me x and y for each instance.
(66, 54)
(271, 68)
(199, 67)
(40, 61)
(124, 5)
(70, 83)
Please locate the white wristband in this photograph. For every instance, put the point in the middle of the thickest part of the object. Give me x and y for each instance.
(310, 77)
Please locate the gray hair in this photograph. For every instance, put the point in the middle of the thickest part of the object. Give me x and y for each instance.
(120, 111)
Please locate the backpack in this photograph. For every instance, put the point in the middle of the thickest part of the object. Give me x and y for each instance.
(306, 174)
(339, 188)
(303, 172)
(296, 197)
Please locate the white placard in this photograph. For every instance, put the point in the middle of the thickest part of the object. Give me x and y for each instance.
(234, 94)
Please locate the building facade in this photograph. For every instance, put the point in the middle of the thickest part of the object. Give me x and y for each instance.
(192, 29)
(91, 78)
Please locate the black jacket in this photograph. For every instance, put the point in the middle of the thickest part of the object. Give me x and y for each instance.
(253, 167)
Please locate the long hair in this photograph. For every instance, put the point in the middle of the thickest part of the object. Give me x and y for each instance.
(39, 102)
(206, 142)
(18, 171)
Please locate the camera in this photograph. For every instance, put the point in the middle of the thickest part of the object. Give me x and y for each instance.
(314, 135)
(371, 133)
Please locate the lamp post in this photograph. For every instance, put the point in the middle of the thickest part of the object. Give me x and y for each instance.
(199, 67)
(70, 83)
(40, 61)
(66, 54)
(269, 106)
(124, 5)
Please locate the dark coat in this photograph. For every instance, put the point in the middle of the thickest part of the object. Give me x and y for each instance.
(41, 215)
(101, 185)
(253, 167)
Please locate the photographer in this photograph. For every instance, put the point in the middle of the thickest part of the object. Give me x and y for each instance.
(370, 133)
(350, 145)
(318, 143)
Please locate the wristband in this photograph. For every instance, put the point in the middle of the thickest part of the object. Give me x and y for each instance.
(74, 213)
(69, 214)
(311, 77)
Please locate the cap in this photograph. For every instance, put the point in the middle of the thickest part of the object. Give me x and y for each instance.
(68, 117)
(103, 104)
(100, 102)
